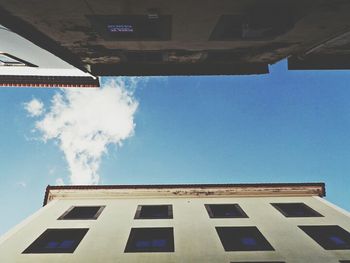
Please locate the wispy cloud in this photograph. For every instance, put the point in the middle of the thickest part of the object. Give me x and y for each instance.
(59, 181)
(84, 122)
(52, 170)
(22, 184)
(35, 107)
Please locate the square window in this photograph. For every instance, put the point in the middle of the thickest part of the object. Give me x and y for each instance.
(229, 27)
(296, 210)
(82, 213)
(328, 237)
(225, 211)
(260, 22)
(132, 27)
(57, 241)
(243, 239)
(154, 212)
(151, 240)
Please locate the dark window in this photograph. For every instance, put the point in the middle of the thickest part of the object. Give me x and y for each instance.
(260, 22)
(344, 261)
(225, 211)
(82, 213)
(154, 212)
(57, 241)
(229, 27)
(150, 240)
(329, 237)
(243, 239)
(9, 60)
(296, 210)
(132, 27)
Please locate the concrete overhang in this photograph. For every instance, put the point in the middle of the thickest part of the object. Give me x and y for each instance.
(186, 190)
(186, 37)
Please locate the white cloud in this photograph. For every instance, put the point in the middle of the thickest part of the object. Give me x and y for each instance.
(35, 107)
(84, 122)
(52, 171)
(59, 181)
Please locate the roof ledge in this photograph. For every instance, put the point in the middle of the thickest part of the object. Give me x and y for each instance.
(185, 190)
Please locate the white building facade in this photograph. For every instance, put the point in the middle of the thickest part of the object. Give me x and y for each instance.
(24, 64)
(263, 223)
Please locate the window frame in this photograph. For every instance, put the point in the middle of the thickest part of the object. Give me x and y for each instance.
(24, 62)
(139, 210)
(134, 232)
(139, 23)
(97, 214)
(235, 205)
(230, 248)
(285, 214)
(36, 246)
(308, 230)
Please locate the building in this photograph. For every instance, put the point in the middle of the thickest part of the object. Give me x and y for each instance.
(24, 64)
(185, 37)
(289, 223)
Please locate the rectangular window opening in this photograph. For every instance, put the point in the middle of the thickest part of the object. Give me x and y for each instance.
(243, 239)
(296, 210)
(132, 27)
(225, 211)
(330, 237)
(57, 241)
(82, 213)
(154, 212)
(150, 240)
(10, 60)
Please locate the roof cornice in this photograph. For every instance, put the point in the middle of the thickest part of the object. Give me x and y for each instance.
(184, 190)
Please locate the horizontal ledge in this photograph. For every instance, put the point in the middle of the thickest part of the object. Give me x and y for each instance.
(223, 190)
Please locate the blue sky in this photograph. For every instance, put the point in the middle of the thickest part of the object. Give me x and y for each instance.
(288, 126)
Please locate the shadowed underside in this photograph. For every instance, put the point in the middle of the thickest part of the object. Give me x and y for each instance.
(154, 37)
